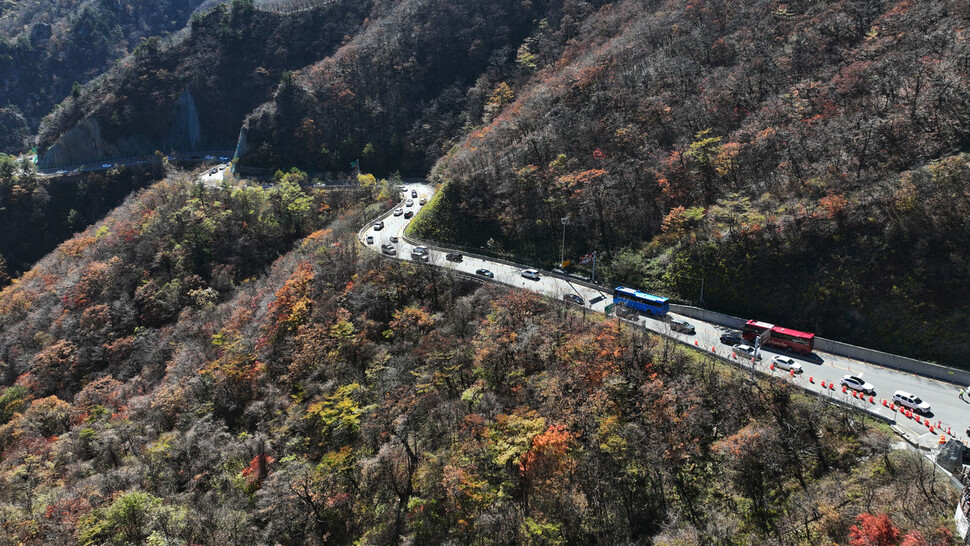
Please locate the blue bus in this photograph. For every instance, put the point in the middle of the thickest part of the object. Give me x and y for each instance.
(640, 301)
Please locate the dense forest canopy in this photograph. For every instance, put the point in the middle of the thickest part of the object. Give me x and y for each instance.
(781, 152)
(50, 48)
(225, 365)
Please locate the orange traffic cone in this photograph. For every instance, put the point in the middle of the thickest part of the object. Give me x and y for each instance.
(811, 380)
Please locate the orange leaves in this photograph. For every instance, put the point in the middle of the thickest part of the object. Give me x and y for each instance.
(73, 248)
(745, 444)
(575, 183)
(548, 453)
(293, 304)
(409, 323)
(594, 355)
(833, 204)
(257, 470)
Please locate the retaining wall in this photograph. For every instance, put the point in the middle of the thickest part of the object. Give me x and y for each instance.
(926, 369)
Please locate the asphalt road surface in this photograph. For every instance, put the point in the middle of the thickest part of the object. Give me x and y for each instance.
(949, 412)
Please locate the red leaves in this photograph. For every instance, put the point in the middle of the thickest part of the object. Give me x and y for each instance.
(258, 469)
(873, 531)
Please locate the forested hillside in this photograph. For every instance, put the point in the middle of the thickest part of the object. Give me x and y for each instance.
(230, 59)
(227, 366)
(40, 213)
(50, 48)
(804, 159)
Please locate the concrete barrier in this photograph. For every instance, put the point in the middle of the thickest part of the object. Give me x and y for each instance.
(903, 363)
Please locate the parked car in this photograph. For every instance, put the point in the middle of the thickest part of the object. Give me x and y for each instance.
(573, 298)
(213, 171)
(393, 238)
(454, 257)
(787, 364)
(682, 326)
(414, 193)
(378, 225)
(408, 215)
(856, 383)
(911, 401)
(423, 201)
(531, 274)
(398, 212)
(485, 273)
(731, 338)
(745, 349)
(370, 239)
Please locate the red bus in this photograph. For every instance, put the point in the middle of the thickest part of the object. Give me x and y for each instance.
(782, 338)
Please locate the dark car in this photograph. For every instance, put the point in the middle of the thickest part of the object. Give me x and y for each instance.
(731, 338)
(485, 273)
(408, 214)
(682, 326)
(454, 257)
(414, 193)
(572, 298)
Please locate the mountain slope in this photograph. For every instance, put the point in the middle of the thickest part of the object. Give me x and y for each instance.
(193, 92)
(771, 149)
(182, 373)
(48, 47)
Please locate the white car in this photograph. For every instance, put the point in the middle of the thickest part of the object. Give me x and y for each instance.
(787, 364)
(398, 212)
(531, 274)
(858, 384)
(746, 350)
(911, 401)
(409, 203)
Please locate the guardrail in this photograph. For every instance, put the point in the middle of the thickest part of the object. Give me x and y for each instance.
(463, 250)
(887, 360)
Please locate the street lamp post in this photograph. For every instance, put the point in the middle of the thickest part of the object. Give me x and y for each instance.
(562, 251)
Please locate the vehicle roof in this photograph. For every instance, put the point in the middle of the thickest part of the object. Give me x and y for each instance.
(639, 294)
(759, 324)
(794, 333)
(904, 393)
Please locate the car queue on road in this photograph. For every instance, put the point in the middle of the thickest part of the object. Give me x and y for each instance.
(708, 336)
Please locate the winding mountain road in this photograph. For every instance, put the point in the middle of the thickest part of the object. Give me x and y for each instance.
(949, 412)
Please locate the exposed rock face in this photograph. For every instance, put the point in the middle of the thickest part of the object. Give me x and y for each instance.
(85, 143)
(185, 134)
(951, 456)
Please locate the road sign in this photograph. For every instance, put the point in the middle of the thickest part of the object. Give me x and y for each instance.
(609, 309)
(586, 258)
